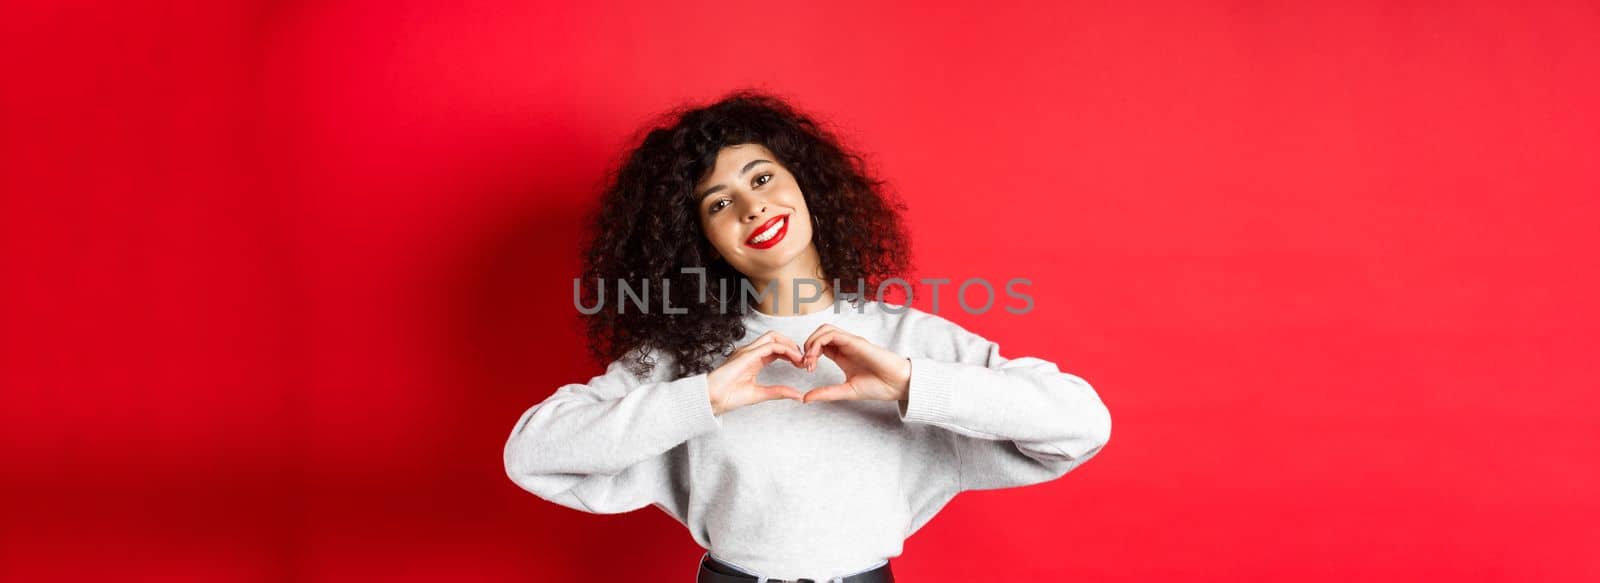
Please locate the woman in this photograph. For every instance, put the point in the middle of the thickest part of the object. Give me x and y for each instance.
(806, 433)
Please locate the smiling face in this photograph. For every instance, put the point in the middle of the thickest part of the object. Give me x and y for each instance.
(753, 212)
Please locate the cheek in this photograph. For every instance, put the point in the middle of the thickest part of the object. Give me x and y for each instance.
(798, 198)
(724, 234)
(800, 204)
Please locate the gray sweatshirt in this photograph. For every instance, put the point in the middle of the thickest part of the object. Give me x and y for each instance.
(786, 489)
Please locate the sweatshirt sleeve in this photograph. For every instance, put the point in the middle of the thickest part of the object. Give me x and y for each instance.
(603, 446)
(1018, 421)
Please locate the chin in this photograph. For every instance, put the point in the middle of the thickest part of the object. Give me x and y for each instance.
(769, 264)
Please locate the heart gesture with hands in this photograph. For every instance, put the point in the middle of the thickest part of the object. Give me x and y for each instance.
(733, 384)
(871, 371)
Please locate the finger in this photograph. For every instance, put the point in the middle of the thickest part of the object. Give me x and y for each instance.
(834, 344)
(751, 359)
(814, 353)
(779, 337)
(772, 351)
(830, 393)
(821, 330)
(762, 339)
(759, 340)
(796, 358)
(775, 336)
(783, 392)
(814, 344)
(784, 351)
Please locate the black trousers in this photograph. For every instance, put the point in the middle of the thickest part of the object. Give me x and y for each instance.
(714, 571)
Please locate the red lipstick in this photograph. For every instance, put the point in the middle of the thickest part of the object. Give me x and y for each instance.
(776, 237)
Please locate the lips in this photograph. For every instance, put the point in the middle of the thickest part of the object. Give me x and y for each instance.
(769, 233)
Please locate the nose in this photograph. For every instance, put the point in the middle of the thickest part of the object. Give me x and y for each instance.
(756, 211)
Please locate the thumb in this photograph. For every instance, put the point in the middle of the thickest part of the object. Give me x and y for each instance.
(830, 393)
(783, 392)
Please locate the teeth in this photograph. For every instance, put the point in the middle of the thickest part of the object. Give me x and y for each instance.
(770, 232)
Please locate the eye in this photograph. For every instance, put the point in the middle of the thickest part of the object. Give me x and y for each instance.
(763, 179)
(717, 206)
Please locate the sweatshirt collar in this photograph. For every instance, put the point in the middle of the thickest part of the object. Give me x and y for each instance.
(803, 323)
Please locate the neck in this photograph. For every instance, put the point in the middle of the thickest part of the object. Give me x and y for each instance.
(784, 302)
(780, 295)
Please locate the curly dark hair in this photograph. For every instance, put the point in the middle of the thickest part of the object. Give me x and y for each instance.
(647, 227)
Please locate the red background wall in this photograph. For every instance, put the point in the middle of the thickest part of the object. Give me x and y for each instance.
(278, 277)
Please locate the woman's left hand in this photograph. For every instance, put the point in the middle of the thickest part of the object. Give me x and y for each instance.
(871, 371)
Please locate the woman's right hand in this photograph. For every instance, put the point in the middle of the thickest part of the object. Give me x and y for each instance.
(733, 385)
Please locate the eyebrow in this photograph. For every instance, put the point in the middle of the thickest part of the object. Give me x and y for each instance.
(746, 170)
